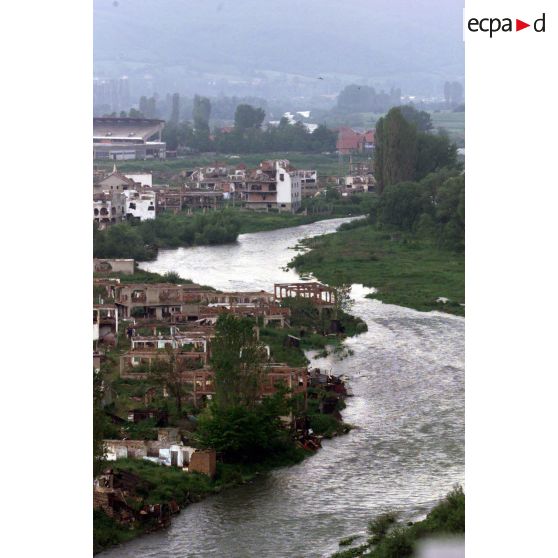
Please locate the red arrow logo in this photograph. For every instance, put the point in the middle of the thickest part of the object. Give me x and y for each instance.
(519, 25)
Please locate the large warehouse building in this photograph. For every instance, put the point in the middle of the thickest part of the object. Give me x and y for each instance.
(128, 138)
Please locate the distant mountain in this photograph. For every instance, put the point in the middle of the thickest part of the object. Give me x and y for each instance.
(184, 44)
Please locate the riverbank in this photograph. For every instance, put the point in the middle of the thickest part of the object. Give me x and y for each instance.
(143, 240)
(230, 430)
(407, 379)
(174, 489)
(390, 539)
(405, 270)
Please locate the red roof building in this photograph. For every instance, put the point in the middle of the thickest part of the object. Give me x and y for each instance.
(349, 141)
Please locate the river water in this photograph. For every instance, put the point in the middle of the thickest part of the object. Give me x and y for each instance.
(407, 376)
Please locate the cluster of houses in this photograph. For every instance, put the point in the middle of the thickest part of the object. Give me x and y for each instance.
(146, 326)
(175, 324)
(273, 186)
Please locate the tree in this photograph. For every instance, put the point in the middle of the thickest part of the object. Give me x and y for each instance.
(420, 118)
(243, 434)
(434, 152)
(200, 113)
(175, 112)
(166, 372)
(402, 205)
(363, 98)
(396, 149)
(247, 117)
(239, 361)
(237, 423)
(323, 139)
(450, 213)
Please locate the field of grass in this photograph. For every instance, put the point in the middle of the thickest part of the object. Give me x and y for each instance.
(324, 164)
(453, 122)
(407, 272)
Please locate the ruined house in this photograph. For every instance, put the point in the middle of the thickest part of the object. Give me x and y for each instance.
(114, 265)
(105, 325)
(157, 300)
(273, 186)
(319, 294)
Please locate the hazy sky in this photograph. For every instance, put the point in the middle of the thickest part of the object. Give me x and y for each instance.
(410, 42)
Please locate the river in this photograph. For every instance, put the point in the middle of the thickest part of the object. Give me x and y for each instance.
(406, 452)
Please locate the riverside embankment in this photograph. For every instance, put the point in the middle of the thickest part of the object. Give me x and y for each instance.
(407, 376)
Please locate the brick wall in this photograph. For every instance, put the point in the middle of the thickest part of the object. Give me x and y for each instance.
(203, 462)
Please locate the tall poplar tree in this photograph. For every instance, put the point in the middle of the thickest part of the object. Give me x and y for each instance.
(396, 150)
(239, 361)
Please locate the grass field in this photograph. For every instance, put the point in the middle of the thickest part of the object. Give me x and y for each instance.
(162, 170)
(453, 122)
(411, 273)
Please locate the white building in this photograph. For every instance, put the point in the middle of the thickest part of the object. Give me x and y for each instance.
(141, 204)
(289, 188)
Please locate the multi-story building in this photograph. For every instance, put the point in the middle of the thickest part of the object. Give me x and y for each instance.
(273, 186)
(309, 184)
(109, 208)
(158, 300)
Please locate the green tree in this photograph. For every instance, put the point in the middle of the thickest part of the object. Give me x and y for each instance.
(243, 434)
(434, 152)
(201, 113)
(396, 149)
(247, 116)
(450, 213)
(166, 372)
(420, 118)
(239, 361)
(402, 205)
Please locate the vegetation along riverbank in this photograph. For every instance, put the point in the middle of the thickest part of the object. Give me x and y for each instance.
(388, 538)
(251, 422)
(142, 240)
(410, 247)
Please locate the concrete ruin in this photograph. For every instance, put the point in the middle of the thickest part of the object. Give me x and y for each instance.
(114, 265)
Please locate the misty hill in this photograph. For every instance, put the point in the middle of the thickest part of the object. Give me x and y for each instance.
(183, 45)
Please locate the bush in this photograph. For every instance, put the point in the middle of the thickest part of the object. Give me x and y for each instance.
(325, 425)
(397, 544)
(379, 526)
(107, 532)
(141, 240)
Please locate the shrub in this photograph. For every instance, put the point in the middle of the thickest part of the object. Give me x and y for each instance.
(379, 526)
